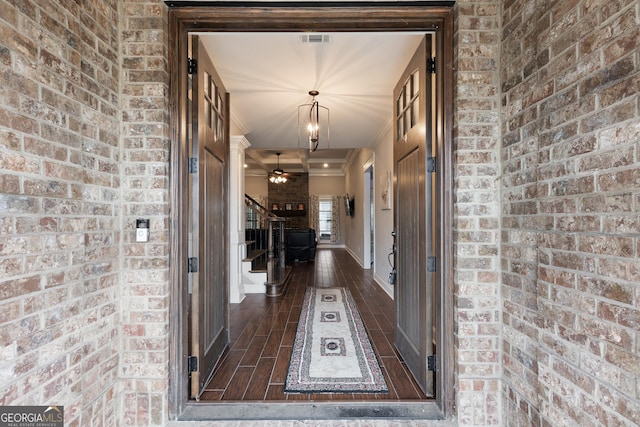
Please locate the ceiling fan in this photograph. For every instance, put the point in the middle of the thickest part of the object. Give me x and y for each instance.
(279, 172)
(278, 175)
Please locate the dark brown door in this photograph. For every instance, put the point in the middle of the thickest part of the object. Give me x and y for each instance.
(413, 215)
(209, 317)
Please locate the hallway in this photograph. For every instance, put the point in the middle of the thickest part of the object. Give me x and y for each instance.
(262, 332)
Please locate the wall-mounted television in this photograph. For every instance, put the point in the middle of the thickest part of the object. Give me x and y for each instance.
(349, 204)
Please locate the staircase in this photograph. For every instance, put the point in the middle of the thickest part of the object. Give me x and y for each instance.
(263, 265)
(256, 243)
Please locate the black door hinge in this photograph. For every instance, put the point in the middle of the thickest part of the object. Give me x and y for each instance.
(432, 165)
(431, 264)
(192, 66)
(431, 65)
(192, 265)
(192, 363)
(431, 363)
(193, 165)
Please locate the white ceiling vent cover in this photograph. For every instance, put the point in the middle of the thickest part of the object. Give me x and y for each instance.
(314, 38)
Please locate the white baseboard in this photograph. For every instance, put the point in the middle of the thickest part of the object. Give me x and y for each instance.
(388, 289)
(355, 256)
(384, 285)
(254, 289)
(329, 246)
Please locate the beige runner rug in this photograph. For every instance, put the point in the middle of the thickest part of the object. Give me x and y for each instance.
(332, 352)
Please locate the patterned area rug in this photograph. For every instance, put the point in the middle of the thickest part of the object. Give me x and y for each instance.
(332, 353)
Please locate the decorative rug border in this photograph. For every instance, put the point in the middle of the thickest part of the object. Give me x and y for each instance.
(299, 379)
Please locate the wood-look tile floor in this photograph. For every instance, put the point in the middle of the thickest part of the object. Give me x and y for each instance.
(262, 332)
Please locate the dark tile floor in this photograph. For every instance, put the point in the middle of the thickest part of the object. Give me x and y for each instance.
(262, 331)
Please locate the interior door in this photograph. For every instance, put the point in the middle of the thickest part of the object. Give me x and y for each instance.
(414, 204)
(210, 146)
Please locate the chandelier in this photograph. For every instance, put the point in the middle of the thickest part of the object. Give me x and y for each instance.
(313, 124)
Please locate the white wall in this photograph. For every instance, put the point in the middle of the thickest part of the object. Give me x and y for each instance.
(255, 185)
(354, 182)
(354, 185)
(325, 185)
(383, 218)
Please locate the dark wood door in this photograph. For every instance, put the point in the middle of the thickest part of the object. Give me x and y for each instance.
(413, 215)
(209, 300)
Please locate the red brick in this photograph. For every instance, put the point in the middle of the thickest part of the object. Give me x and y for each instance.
(625, 316)
(18, 287)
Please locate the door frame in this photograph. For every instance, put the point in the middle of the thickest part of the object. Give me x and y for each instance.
(408, 16)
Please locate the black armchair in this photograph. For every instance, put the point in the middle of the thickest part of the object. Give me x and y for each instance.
(300, 245)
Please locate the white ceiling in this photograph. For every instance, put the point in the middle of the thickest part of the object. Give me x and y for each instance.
(269, 74)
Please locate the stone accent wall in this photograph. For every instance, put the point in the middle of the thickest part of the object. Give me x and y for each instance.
(60, 197)
(477, 212)
(571, 200)
(294, 191)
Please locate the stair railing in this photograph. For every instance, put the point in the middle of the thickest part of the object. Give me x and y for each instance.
(264, 219)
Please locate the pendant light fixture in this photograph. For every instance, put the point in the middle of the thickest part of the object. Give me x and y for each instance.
(313, 124)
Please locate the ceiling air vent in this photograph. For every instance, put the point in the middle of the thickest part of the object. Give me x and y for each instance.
(314, 38)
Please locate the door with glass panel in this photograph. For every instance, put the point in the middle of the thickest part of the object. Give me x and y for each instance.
(413, 216)
(208, 219)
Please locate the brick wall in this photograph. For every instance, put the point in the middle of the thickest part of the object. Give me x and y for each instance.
(145, 183)
(60, 196)
(571, 200)
(84, 152)
(477, 212)
(294, 191)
